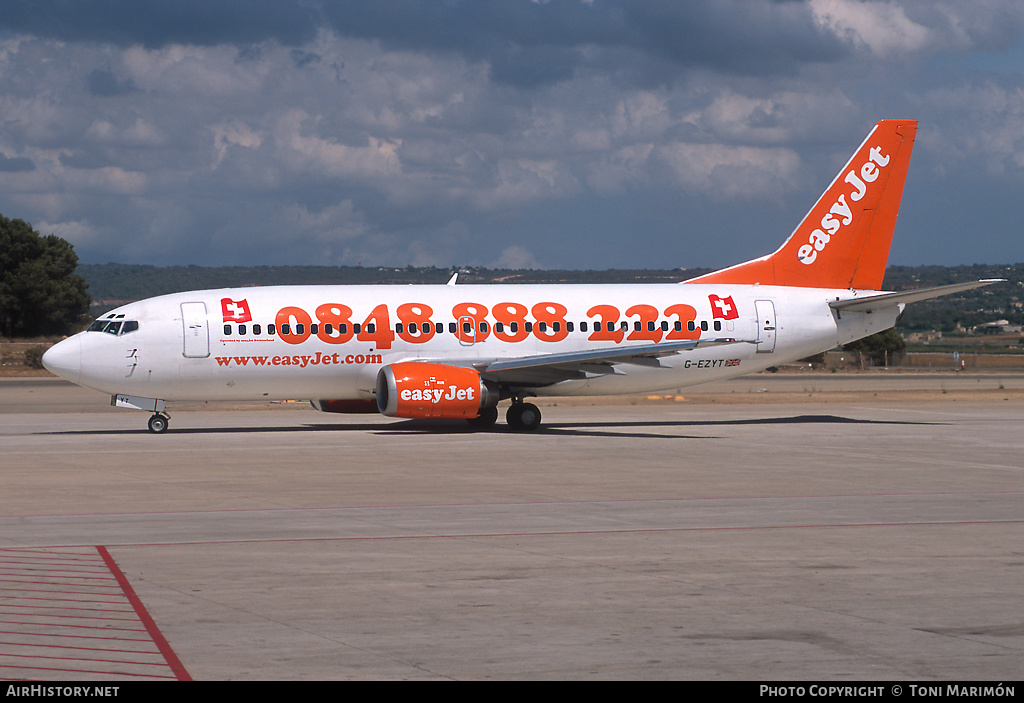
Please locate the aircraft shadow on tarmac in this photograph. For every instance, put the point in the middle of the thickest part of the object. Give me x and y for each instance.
(458, 427)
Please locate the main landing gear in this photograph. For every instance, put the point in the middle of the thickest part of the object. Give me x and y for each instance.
(524, 417)
(158, 423)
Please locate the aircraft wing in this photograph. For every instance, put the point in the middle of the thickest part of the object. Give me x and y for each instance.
(875, 302)
(545, 369)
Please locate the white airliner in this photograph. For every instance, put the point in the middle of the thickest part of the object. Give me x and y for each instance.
(456, 351)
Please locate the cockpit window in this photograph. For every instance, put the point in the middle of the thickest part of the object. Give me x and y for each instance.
(116, 327)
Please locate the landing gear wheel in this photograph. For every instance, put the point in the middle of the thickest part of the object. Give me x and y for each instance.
(523, 416)
(485, 419)
(158, 423)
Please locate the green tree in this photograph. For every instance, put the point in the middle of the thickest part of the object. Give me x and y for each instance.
(39, 291)
(880, 347)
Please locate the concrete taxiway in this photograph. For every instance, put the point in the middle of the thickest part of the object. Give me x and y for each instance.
(738, 534)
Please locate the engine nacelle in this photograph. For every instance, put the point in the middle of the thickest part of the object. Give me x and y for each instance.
(422, 389)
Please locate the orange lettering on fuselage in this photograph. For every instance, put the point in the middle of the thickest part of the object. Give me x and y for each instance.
(473, 323)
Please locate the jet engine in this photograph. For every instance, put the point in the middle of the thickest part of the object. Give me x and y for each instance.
(423, 389)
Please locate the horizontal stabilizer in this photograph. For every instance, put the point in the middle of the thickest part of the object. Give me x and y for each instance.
(874, 302)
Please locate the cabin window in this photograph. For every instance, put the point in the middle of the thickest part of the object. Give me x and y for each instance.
(271, 329)
(583, 326)
(256, 329)
(113, 325)
(499, 326)
(543, 326)
(439, 327)
(227, 329)
(513, 327)
(678, 326)
(399, 329)
(568, 327)
(664, 326)
(691, 326)
(704, 325)
(718, 325)
(528, 326)
(241, 330)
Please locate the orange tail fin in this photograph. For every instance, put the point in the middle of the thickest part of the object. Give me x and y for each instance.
(844, 240)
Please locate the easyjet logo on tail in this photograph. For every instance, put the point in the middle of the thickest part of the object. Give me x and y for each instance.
(840, 215)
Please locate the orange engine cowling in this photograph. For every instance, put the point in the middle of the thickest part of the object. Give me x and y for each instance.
(422, 389)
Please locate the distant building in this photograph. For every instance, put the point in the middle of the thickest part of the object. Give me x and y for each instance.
(929, 337)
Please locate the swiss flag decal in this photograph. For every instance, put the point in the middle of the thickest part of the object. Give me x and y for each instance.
(723, 308)
(235, 310)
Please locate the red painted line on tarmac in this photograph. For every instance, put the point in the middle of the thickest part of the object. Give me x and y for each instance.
(161, 642)
(111, 592)
(61, 623)
(73, 578)
(83, 637)
(45, 604)
(56, 600)
(133, 662)
(69, 646)
(66, 670)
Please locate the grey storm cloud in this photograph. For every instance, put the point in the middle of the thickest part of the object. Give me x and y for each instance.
(486, 131)
(156, 23)
(16, 165)
(526, 43)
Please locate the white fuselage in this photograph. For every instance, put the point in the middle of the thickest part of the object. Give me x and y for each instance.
(300, 342)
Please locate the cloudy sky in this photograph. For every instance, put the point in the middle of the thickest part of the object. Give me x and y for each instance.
(504, 133)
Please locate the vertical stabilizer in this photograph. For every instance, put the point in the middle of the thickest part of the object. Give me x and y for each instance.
(844, 240)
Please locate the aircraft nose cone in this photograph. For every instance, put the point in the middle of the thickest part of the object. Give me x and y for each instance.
(65, 359)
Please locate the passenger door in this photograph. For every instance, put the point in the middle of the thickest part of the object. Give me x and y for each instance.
(195, 331)
(765, 310)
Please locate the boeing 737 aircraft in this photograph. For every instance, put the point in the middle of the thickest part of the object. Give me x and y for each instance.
(457, 351)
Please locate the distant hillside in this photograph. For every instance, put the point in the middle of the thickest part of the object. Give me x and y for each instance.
(120, 282)
(113, 284)
(1002, 301)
